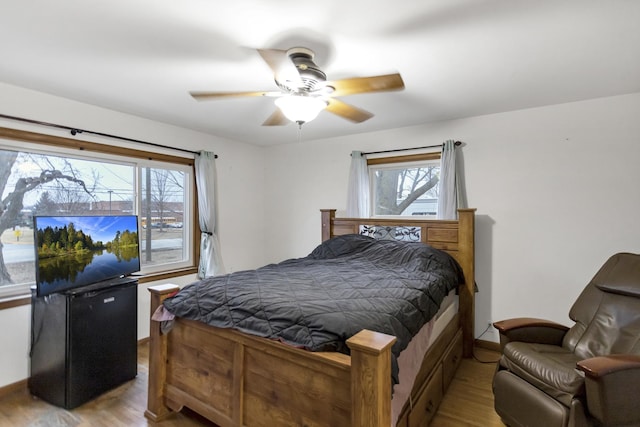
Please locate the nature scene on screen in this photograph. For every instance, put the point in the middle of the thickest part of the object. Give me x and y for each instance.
(82, 250)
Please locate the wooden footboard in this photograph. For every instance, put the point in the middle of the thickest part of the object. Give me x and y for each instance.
(235, 379)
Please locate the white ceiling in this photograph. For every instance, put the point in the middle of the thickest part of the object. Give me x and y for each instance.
(458, 58)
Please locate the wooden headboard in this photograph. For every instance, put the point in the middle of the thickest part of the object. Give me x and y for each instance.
(456, 237)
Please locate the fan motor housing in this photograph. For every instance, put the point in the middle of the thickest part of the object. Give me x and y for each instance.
(309, 71)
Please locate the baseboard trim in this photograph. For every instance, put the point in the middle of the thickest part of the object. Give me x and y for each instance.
(488, 345)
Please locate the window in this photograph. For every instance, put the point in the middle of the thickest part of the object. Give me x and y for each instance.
(36, 180)
(405, 185)
(164, 230)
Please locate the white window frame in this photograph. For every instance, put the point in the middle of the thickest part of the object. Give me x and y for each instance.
(187, 230)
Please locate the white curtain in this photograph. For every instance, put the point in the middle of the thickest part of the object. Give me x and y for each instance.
(210, 260)
(358, 189)
(448, 186)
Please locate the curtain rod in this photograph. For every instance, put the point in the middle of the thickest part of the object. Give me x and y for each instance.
(457, 143)
(75, 131)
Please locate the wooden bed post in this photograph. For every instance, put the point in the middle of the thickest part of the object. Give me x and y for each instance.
(370, 379)
(156, 409)
(327, 216)
(466, 233)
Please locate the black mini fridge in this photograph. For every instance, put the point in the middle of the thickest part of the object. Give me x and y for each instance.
(83, 341)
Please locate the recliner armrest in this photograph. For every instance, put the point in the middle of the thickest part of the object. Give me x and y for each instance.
(613, 384)
(531, 330)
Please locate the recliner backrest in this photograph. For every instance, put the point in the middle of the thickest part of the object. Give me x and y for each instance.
(607, 312)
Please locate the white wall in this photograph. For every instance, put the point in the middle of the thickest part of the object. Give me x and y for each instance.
(240, 183)
(556, 192)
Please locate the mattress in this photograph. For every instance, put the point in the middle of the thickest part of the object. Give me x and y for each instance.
(410, 359)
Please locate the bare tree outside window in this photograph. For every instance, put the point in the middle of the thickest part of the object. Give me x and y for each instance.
(24, 175)
(405, 190)
(45, 205)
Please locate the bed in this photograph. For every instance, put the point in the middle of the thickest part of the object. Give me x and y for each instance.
(237, 379)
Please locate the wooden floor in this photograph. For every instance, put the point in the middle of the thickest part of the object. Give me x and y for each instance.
(469, 402)
(469, 399)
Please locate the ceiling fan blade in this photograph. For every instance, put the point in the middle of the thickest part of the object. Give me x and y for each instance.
(356, 85)
(202, 96)
(347, 111)
(284, 71)
(276, 119)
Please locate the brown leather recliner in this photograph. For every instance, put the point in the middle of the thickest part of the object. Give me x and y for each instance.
(588, 375)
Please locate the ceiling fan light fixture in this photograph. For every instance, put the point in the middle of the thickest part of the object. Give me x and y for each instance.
(305, 90)
(300, 108)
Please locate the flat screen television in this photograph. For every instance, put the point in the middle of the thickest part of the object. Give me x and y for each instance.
(75, 251)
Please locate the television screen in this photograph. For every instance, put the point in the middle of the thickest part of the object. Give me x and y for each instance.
(74, 251)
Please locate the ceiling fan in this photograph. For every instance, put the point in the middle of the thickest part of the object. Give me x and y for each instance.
(304, 90)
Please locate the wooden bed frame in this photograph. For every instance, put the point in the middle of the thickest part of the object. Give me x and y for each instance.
(235, 379)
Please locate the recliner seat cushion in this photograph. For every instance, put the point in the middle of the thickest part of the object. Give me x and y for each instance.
(550, 368)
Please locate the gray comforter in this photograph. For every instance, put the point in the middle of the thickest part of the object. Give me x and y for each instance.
(346, 284)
